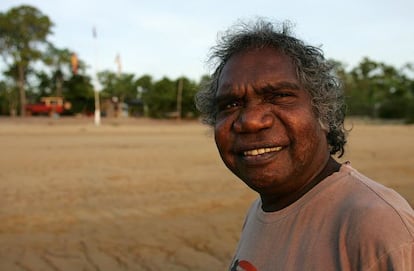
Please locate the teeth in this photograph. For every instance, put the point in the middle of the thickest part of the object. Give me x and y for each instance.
(261, 151)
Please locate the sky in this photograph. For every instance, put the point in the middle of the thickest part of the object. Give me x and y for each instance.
(173, 38)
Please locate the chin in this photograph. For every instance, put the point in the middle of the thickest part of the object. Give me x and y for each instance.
(264, 183)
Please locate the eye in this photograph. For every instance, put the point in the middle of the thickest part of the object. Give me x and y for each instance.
(280, 93)
(277, 97)
(232, 105)
(228, 105)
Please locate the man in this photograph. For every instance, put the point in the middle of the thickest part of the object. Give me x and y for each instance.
(277, 111)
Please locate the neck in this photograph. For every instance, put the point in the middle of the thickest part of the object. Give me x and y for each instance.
(272, 204)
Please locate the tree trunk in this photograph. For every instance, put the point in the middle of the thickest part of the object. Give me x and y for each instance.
(59, 86)
(179, 99)
(22, 91)
(12, 107)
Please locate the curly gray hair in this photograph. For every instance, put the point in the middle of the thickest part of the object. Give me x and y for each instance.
(314, 72)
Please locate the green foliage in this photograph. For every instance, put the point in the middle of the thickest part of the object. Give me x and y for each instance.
(4, 105)
(79, 91)
(44, 84)
(8, 99)
(23, 40)
(161, 98)
(23, 32)
(377, 90)
(145, 83)
(372, 88)
(409, 115)
(190, 88)
(122, 86)
(59, 60)
(395, 108)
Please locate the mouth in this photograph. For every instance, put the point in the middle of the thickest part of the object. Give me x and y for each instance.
(261, 151)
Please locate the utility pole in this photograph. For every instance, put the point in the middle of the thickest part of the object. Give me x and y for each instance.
(97, 103)
(179, 98)
(118, 64)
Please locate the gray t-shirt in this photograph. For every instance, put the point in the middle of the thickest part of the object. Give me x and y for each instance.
(346, 222)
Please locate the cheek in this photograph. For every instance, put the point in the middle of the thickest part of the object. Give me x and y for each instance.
(308, 136)
(222, 130)
(221, 136)
(224, 140)
(314, 143)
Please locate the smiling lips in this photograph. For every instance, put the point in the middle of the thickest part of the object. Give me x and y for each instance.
(260, 151)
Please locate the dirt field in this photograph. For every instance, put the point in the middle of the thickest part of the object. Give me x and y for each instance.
(140, 194)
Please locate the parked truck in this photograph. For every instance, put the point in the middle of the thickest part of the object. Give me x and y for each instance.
(48, 106)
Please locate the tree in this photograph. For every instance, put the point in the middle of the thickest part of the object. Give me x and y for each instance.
(122, 86)
(145, 82)
(144, 85)
(60, 62)
(79, 92)
(397, 98)
(8, 98)
(23, 31)
(189, 89)
(161, 99)
(164, 99)
(376, 89)
(371, 83)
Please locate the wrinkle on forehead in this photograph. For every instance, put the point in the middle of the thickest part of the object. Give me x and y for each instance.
(247, 66)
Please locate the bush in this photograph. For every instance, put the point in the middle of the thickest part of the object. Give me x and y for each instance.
(409, 113)
(395, 108)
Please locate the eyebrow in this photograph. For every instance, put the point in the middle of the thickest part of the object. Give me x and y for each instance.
(284, 85)
(269, 87)
(223, 98)
(228, 93)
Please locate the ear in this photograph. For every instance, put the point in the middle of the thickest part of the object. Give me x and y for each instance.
(324, 126)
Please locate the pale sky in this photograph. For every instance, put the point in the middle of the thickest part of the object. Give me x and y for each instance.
(172, 38)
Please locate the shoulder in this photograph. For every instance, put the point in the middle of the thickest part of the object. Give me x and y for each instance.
(368, 202)
(376, 221)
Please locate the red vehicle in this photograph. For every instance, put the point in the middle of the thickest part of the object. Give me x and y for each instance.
(48, 105)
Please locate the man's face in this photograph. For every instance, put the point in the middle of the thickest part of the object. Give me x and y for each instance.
(266, 130)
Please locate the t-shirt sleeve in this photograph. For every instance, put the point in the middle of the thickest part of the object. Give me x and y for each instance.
(400, 259)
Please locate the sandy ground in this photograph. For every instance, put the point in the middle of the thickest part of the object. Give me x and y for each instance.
(141, 195)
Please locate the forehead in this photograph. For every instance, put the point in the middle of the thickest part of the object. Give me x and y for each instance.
(259, 66)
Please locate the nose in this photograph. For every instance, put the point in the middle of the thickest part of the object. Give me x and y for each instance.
(253, 119)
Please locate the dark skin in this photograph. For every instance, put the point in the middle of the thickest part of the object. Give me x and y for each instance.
(266, 129)
(271, 205)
